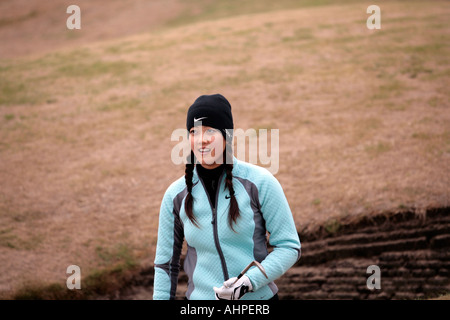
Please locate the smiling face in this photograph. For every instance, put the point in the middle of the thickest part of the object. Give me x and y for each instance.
(208, 146)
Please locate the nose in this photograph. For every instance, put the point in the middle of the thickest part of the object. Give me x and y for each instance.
(206, 139)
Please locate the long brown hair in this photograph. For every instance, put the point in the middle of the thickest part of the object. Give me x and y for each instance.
(233, 213)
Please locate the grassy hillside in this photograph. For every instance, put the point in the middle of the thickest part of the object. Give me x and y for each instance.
(85, 130)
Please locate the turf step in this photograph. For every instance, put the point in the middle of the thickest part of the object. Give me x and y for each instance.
(441, 230)
(360, 250)
(380, 223)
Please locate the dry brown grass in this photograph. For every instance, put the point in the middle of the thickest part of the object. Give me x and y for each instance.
(85, 133)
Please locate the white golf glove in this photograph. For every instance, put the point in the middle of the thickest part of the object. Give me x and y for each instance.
(230, 291)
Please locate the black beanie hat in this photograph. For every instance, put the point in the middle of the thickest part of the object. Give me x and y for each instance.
(212, 111)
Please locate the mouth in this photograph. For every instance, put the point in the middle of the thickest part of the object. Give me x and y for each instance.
(204, 151)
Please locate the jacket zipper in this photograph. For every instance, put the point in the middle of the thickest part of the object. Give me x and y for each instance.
(214, 223)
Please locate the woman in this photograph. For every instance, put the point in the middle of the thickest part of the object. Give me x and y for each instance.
(224, 208)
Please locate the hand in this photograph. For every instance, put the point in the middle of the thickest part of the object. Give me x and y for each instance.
(232, 290)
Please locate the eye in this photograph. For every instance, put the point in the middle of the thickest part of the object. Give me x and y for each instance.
(193, 131)
(211, 131)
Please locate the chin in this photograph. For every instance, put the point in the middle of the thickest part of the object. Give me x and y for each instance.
(208, 161)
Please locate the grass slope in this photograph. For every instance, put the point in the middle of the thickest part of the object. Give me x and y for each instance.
(85, 132)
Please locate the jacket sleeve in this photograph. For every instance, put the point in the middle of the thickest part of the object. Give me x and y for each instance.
(283, 233)
(168, 251)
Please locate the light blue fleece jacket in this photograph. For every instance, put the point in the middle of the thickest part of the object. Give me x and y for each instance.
(215, 252)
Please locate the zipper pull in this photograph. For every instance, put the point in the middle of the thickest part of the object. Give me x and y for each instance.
(214, 217)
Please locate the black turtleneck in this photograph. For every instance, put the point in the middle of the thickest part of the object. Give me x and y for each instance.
(210, 178)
